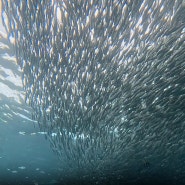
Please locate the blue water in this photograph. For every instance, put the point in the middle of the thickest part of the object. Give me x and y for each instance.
(25, 155)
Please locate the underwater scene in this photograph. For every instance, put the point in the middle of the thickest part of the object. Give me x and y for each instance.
(92, 92)
(25, 155)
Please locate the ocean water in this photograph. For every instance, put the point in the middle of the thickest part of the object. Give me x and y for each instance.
(146, 147)
(25, 155)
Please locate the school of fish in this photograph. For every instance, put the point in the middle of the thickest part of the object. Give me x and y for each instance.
(105, 79)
